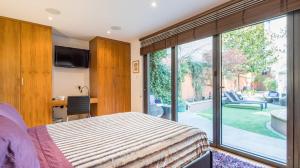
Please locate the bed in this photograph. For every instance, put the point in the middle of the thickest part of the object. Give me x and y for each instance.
(120, 140)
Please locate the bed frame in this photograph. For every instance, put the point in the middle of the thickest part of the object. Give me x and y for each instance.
(205, 161)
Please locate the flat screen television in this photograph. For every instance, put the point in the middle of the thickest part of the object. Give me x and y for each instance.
(71, 57)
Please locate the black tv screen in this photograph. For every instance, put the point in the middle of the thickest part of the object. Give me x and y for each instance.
(71, 57)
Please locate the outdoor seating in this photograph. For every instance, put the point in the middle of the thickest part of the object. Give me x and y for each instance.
(158, 108)
(272, 97)
(154, 109)
(234, 98)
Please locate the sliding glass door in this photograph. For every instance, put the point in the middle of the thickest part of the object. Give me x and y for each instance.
(234, 86)
(194, 102)
(254, 89)
(159, 81)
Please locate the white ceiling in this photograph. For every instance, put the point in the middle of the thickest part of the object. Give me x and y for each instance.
(85, 19)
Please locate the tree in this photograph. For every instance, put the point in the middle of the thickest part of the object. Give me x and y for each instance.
(232, 62)
(254, 44)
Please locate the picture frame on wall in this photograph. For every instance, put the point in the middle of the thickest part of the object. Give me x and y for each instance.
(136, 66)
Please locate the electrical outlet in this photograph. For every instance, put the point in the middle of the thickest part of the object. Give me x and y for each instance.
(79, 88)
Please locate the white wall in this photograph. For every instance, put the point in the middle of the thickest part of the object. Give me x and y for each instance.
(66, 80)
(136, 79)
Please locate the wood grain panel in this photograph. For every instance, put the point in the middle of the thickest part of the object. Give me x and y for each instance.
(65, 102)
(230, 22)
(10, 62)
(266, 10)
(206, 30)
(159, 45)
(171, 42)
(147, 49)
(36, 65)
(93, 74)
(110, 76)
(185, 37)
(293, 5)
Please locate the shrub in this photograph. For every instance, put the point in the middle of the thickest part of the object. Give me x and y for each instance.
(270, 84)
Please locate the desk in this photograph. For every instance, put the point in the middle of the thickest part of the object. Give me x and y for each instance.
(65, 103)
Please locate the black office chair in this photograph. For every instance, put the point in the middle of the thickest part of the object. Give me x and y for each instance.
(78, 105)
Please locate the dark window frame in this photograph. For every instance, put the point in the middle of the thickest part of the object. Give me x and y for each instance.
(293, 63)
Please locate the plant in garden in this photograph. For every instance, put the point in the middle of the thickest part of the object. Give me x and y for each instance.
(270, 84)
(160, 76)
(254, 44)
(199, 71)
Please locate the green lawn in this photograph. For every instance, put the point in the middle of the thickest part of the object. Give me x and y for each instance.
(252, 120)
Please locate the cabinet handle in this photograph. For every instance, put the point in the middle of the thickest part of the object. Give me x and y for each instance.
(22, 81)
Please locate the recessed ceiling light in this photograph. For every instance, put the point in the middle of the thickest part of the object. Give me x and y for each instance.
(153, 4)
(108, 32)
(53, 11)
(50, 18)
(116, 28)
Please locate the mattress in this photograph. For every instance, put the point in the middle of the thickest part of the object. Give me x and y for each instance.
(128, 140)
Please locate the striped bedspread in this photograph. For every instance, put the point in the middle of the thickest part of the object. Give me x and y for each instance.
(128, 140)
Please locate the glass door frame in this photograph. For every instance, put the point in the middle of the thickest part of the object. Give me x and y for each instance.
(290, 99)
(293, 27)
(146, 74)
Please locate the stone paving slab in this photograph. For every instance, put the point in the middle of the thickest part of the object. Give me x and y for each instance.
(248, 141)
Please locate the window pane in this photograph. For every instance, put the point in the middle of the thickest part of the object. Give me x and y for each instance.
(254, 89)
(195, 88)
(160, 84)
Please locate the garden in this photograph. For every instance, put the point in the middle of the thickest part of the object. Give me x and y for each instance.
(254, 78)
(248, 119)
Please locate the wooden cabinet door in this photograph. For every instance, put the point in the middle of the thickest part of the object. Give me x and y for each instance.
(114, 77)
(10, 62)
(110, 76)
(123, 83)
(36, 65)
(126, 64)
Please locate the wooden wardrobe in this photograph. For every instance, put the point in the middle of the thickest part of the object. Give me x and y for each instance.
(26, 69)
(110, 76)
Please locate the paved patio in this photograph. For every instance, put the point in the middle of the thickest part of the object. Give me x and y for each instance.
(251, 142)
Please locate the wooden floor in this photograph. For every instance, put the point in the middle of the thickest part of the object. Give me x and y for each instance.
(244, 159)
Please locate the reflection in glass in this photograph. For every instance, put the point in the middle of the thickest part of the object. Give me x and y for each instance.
(160, 84)
(254, 89)
(195, 87)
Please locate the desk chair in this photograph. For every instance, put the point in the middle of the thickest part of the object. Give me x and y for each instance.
(78, 105)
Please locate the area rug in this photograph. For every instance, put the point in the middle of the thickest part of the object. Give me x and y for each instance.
(221, 160)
